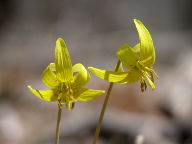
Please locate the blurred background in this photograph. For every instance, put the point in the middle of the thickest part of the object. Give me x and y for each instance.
(93, 31)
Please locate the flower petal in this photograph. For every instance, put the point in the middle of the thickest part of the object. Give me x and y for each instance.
(62, 61)
(111, 76)
(120, 69)
(147, 50)
(133, 76)
(52, 67)
(48, 95)
(136, 48)
(49, 78)
(127, 56)
(151, 84)
(82, 77)
(85, 94)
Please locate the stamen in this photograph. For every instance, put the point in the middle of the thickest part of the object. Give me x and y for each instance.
(142, 67)
(150, 82)
(73, 105)
(152, 78)
(152, 71)
(143, 85)
(68, 105)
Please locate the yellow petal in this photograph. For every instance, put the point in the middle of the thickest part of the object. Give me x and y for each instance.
(52, 67)
(111, 76)
(49, 78)
(82, 77)
(127, 56)
(133, 76)
(147, 50)
(151, 84)
(136, 48)
(85, 94)
(48, 95)
(120, 69)
(62, 61)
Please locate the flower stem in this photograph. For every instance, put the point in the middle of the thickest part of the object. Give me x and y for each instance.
(58, 123)
(96, 136)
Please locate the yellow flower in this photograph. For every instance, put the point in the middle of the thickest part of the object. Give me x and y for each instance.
(138, 60)
(64, 80)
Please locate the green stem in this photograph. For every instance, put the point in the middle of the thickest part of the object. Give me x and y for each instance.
(96, 136)
(58, 123)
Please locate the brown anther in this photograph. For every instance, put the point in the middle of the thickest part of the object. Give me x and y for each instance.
(143, 85)
(152, 78)
(73, 105)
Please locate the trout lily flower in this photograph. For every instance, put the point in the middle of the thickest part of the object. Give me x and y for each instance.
(64, 80)
(139, 60)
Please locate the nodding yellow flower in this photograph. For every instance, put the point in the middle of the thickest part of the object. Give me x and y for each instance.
(139, 60)
(64, 80)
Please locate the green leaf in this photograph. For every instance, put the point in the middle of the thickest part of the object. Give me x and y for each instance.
(85, 94)
(110, 76)
(47, 95)
(49, 78)
(82, 77)
(62, 61)
(127, 56)
(147, 50)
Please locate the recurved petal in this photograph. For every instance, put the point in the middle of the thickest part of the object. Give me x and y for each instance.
(127, 56)
(136, 48)
(63, 64)
(147, 50)
(111, 76)
(82, 77)
(47, 95)
(52, 67)
(85, 94)
(150, 82)
(49, 78)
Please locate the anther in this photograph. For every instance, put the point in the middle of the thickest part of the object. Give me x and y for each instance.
(143, 85)
(73, 105)
(152, 78)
